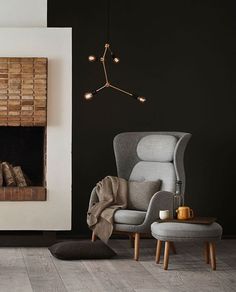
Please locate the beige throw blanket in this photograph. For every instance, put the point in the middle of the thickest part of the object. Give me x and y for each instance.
(112, 194)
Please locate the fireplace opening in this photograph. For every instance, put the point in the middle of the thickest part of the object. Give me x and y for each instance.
(23, 147)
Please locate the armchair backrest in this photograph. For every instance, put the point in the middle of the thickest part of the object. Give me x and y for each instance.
(151, 156)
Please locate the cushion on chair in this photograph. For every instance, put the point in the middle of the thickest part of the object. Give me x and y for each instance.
(130, 217)
(83, 249)
(157, 148)
(140, 193)
(171, 231)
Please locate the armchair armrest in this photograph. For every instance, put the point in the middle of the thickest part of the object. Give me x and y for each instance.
(161, 200)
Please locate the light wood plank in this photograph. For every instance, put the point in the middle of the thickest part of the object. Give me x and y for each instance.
(188, 271)
(106, 276)
(76, 276)
(133, 273)
(42, 273)
(13, 273)
(34, 269)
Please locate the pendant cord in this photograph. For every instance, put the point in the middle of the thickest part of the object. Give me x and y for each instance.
(108, 20)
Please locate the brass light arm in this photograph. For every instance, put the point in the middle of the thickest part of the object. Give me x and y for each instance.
(121, 90)
(100, 88)
(107, 46)
(105, 71)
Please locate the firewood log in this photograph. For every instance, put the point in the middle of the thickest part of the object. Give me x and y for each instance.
(19, 177)
(8, 174)
(27, 179)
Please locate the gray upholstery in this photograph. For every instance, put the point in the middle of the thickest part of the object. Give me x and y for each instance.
(145, 170)
(137, 159)
(157, 148)
(140, 194)
(125, 147)
(160, 201)
(172, 231)
(132, 217)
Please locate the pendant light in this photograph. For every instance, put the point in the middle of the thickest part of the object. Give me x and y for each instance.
(102, 59)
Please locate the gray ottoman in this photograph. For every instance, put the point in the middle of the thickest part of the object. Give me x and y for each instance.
(170, 232)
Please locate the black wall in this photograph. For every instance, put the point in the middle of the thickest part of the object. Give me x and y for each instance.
(180, 55)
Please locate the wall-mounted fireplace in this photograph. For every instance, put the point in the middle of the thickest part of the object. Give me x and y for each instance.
(23, 121)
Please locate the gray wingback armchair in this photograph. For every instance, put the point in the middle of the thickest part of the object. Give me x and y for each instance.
(148, 156)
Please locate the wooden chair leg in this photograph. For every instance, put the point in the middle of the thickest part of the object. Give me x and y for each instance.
(172, 246)
(131, 240)
(212, 255)
(158, 251)
(166, 255)
(94, 237)
(136, 246)
(206, 252)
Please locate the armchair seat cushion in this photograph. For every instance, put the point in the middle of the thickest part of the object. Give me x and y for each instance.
(130, 217)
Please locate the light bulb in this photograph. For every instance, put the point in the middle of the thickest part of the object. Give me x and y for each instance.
(88, 95)
(115, 59)
(92, 58)
(142, 99)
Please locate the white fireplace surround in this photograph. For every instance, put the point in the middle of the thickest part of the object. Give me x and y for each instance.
(55, 212)
(23, 13)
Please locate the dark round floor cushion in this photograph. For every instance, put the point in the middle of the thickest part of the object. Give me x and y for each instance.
(83, 249)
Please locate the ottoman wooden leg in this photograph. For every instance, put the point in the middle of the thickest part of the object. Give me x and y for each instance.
(212, 255)
(158, 251)
(206, 252)
(172, 246)
(166, 255)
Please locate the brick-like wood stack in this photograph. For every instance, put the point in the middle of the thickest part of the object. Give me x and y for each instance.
(15, 185)
(23, 91)
(22, 194)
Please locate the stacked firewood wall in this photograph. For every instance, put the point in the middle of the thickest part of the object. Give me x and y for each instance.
(23, 91)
